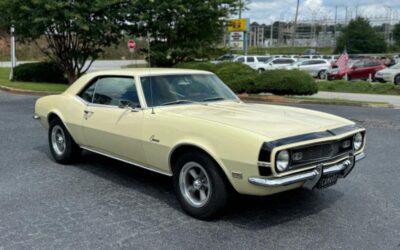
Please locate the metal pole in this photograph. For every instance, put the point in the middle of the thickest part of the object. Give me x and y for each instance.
(240, 9)
(12, 45)
(295, 23)
(271, 33)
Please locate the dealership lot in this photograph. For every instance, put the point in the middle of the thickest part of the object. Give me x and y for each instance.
(102, 203)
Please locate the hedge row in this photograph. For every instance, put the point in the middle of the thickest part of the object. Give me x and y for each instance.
(242, 78)
(39, 72)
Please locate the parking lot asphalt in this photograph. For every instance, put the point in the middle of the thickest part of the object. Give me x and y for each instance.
(101, 203)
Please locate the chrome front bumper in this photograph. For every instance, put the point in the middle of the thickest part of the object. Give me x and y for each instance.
(310, 178)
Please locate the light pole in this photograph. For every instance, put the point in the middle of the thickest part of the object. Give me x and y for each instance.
(12, 45)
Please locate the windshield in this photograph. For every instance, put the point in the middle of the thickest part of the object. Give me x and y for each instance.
(396, 66)
(182, 89)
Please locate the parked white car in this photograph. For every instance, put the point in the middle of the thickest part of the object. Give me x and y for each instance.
(391, 74)
(274, 63)
(308, 57)
(316, 67)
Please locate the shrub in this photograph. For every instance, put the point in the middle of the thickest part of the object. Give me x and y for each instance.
(197, 65)
(239, 77)
(285, 82)
(39, 72)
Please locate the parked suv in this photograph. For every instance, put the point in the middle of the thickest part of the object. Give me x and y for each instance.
(252, 60)
(275, 63)
(317, 68)
(361, 69)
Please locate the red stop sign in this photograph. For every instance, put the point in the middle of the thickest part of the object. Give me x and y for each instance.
(131, 44)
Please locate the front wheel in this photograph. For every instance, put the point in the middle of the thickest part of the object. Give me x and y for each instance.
(63, 148)
(199, 185)
(260, 70)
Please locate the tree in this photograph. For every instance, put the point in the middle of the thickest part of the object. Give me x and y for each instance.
(76, 31)
(360, 37)
(396, 34)
(180, 30)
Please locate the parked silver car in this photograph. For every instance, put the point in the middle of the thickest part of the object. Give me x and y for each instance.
(316, 67)
(252, 60)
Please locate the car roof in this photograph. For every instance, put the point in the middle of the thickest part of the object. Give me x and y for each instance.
(147, 71)
(132, 72)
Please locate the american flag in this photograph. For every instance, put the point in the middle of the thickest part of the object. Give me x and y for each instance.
(342, 61)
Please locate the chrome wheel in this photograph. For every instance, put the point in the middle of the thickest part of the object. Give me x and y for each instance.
(194, 184)
(58, 140)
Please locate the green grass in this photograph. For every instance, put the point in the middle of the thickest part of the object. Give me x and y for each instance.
(33, 86)
(362, 87)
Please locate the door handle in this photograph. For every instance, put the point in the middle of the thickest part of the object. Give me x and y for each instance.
(87, 114)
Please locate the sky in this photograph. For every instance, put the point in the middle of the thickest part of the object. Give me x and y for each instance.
(266, 11)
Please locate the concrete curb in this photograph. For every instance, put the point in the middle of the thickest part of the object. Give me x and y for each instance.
(27, 92)
(293, 101)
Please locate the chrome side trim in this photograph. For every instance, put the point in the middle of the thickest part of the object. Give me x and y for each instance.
(345, 167)
(129, 162)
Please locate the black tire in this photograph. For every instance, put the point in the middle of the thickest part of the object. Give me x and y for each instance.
(217, 197)
(397, 79)
(260, 70)
(322, 74)
(71, 150)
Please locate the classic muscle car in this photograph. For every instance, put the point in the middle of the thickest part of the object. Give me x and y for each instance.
(189, 125)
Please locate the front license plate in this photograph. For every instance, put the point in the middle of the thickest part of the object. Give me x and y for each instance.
(327, 181)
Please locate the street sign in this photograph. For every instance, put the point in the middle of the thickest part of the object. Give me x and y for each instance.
(241, 24)
(236, 40)
(131, 45)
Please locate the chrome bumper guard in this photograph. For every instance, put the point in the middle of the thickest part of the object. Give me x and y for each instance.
(310, 178)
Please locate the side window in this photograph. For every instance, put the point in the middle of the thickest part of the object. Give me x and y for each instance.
(250, 59)
(277, 61)
(88, 93)
(112, 90)
(240, 59)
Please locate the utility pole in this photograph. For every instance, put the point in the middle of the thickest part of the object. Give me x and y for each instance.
(334, 27)
(12, 46)
(295, 23)
(271, 38)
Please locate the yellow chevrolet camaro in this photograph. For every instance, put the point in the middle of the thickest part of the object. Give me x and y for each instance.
(189, 125)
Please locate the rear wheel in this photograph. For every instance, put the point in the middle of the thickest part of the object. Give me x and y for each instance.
(200, 185)
(260, 70)
(397, 79)
(62, 147)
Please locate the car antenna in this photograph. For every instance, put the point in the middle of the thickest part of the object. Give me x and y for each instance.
(151, 82)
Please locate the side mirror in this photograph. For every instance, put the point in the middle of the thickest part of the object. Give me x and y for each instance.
(353, 67)
(126, 104)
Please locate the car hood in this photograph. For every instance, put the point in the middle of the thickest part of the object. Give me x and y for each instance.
(272, 121)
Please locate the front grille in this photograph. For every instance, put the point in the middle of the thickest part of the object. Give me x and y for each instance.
(320, 152)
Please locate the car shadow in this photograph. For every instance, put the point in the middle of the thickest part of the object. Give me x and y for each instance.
(257, 213)
(250, 212)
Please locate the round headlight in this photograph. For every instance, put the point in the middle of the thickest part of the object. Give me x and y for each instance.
(282, 160)
(358, 141)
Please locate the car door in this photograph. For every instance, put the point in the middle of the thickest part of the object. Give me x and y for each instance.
(112, 122)
(356, 71)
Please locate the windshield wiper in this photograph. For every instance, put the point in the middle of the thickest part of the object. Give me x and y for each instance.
(177, 102)
(213, 99)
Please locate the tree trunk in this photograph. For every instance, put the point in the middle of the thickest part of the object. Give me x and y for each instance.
(71, 77)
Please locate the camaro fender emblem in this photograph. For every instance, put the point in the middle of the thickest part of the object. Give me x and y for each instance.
(153, 139)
